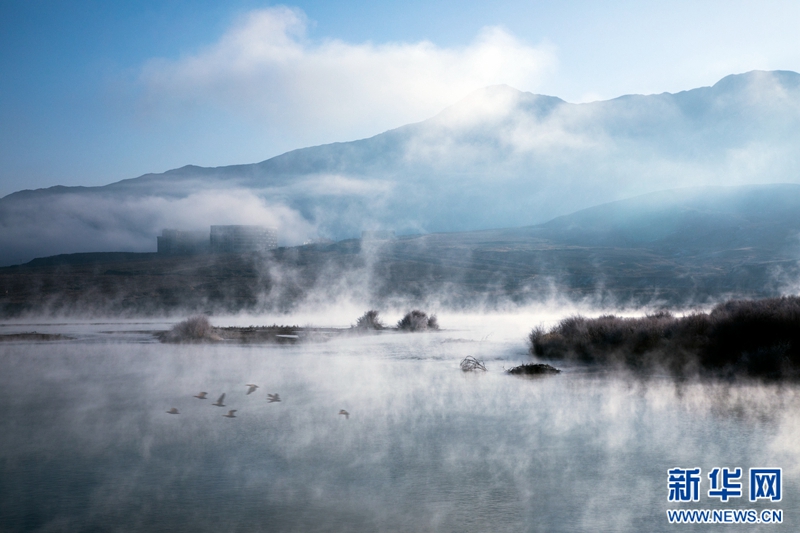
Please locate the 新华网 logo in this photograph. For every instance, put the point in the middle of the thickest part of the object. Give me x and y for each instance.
(765, 483)
(724, 483)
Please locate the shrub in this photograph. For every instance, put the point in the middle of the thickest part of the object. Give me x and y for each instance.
(470, 364)
(369, 321)
(195, 328)
(417, 320)
(739, 337)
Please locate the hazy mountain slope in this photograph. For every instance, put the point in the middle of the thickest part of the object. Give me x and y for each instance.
(499, 158)
(678, 247)
(698, 219)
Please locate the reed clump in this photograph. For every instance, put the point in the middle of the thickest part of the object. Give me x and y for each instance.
(194, 329)
(417, 320)
(471, 364)
(370, 321)
(759, 338)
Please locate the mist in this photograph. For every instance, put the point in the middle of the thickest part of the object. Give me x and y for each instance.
(87, 441)
(641, 253)
(499, 158)
(75, 223)
(265, 69)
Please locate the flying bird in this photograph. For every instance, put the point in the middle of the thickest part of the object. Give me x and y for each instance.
(345, 413)
(273, 398)
(230, 414)
(201, 396)
(251, 388)
(219, 403)
(173, 411)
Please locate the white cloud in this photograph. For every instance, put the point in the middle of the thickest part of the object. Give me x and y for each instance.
(336, 185)
(265, 70)
(71, 223)
(237, 206)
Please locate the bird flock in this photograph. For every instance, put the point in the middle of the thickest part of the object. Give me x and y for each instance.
(251, 388)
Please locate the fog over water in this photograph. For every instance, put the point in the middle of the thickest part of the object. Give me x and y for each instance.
(86, 442)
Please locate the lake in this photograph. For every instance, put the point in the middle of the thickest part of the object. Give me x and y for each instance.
(86, 443)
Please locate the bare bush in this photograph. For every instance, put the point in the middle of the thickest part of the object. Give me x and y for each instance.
(195, 328)
(470, 364)
(417, 320)
(740, 337)
(370, 321)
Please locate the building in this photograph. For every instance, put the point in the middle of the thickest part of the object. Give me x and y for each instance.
(221, 239)
(179, 242)
(239, 239)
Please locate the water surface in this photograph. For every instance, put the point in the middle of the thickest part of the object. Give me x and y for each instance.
(86, 443)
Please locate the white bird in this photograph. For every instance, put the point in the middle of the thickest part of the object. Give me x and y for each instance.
(219, 403)
(273, 398)
(230, 414)
(202, 396)
(345, 413)
(173, 411)
(251, 388)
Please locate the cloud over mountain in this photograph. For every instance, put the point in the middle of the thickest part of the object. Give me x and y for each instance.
(264, 68)
(498, 158)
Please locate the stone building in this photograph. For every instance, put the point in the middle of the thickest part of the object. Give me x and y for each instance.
(179, 242)
(239, 239)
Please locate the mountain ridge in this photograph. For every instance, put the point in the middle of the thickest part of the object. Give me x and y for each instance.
(277, 163)
(498, 158)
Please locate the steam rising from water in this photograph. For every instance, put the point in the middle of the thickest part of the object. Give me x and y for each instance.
(86, 440)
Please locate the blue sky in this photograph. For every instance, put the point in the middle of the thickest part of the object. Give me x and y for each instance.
(93, 92)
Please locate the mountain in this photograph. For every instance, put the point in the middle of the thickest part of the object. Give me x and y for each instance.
(676, 247)
(690, 220)
(498, 158)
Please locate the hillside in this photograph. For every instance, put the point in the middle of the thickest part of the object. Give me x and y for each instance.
(675, 248)
(499, 158)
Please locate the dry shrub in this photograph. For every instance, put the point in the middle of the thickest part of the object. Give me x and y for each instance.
(739, 337)
(417, 320)
(470, 364)
(370, 321)
(195, 328)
